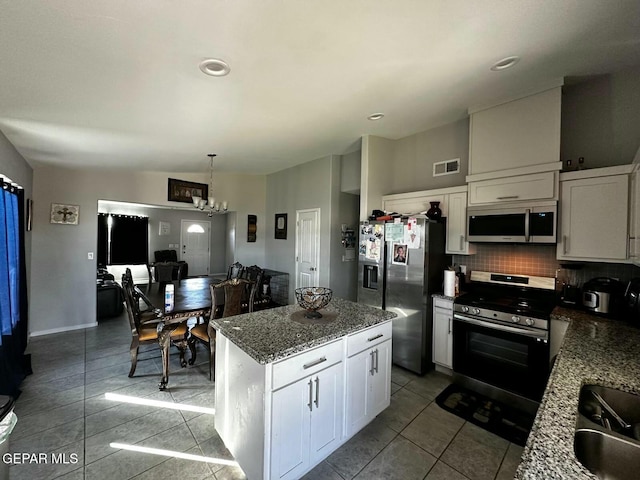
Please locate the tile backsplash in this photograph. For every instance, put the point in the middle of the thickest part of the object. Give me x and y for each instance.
(538, 260)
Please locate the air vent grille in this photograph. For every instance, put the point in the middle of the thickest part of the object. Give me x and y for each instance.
(446, 167)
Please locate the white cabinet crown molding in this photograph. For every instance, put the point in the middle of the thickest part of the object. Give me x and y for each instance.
(598, 172)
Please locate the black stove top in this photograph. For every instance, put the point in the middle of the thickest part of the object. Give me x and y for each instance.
(513, 299)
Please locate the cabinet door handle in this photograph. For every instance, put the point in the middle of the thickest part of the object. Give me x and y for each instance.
(317, 401)
(565, 241)
(314, 363)
(371, 369)
(461, 242)
(375, 338)
(376, 368)
(449, 325)
(527, 219)
(508, 197)
(310, 404)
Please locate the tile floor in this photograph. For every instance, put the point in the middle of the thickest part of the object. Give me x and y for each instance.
(63, 410)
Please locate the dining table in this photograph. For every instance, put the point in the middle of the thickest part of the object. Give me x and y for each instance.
(192, 298)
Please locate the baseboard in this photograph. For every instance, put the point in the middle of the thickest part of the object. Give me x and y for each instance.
(62, 329)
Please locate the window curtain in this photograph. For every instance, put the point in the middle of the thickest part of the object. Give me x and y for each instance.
(14, 365)
(103, 239)
(129, 240)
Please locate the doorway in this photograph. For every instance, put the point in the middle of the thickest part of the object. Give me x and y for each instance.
(307, 247)
(195, 239)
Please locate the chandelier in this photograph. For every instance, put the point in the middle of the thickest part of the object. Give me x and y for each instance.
(213, 207)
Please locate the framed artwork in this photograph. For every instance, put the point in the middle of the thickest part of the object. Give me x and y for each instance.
(252, 227)
(164, 228)
(65, 214)
(281, 226)
(399, 254)
(183, 191)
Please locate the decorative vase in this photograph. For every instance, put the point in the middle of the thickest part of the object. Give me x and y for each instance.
(434, 213)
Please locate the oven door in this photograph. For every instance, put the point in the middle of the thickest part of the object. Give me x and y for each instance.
(514, 359)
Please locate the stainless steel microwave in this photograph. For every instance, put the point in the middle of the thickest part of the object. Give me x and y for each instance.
(530, 223)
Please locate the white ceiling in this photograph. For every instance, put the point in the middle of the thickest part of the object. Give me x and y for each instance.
(116, 84)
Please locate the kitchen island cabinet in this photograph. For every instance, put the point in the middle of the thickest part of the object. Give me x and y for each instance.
(280, 384)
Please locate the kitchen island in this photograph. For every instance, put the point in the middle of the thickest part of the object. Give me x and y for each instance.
(595, 350)
(289, 391)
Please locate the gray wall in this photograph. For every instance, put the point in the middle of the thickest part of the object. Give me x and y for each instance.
(63, 279)
(218, 263)
(406, 165)
(601, 119)
(314, 184)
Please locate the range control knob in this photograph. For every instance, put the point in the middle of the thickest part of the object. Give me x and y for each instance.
(476, 311)
(515, 319)
(465, 309)
(529, 321)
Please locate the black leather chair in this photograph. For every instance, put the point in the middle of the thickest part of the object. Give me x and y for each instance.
(169, 258)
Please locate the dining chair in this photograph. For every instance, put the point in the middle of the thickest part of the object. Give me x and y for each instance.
(256, 291)
(143, 333)
(149, 313)
(235, 271)
(226, 301)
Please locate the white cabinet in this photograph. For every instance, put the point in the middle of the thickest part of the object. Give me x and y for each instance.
(442, 332)
(634, 218)
(535, 186)
(453, 203)
(457, 225)
(306, 422)
(594, 214)
(368, 376)
(520, 133)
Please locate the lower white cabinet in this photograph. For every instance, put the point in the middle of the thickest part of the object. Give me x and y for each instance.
(368, 385)
(443, 332)
(307, 421)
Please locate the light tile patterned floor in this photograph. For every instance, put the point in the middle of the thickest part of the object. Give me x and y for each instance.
(63, 410)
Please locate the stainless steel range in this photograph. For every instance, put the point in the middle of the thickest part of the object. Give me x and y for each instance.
(501, 336)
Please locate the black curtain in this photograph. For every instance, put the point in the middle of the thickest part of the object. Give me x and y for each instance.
(129, 240)
(14, 364)
(103, 239)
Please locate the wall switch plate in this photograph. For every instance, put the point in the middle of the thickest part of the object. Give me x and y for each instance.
(90, 256)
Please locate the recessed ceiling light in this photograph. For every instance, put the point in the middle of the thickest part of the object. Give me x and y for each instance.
(505, 63)
(215, 67)
(375, 116)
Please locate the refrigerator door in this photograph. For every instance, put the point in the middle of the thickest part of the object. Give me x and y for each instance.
(408, 294)
(371, 264)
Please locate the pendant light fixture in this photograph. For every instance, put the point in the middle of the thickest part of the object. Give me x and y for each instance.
(214, 207)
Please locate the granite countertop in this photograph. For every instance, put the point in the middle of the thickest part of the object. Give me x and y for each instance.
(445, 297)
(270, 335)
(595, 350)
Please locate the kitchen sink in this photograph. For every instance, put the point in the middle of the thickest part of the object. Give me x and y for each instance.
(602, 444)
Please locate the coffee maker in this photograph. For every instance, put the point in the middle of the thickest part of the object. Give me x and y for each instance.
(569, 285)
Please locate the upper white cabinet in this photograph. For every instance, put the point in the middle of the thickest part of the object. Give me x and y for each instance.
(594, 215)
(453, 203)
(634, 218)
(534, 186)
(457, 225)
(516, 134)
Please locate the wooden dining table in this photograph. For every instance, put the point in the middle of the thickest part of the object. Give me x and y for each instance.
(192, 298)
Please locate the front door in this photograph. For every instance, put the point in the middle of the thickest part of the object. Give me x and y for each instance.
(307, 247)
(195, 237)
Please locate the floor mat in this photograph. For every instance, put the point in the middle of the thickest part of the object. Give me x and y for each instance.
(507, 422)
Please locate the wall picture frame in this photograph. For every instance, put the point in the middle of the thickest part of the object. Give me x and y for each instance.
(65, 214)
(164, 228)
(252, 228)
(281, 226)
(183, 191)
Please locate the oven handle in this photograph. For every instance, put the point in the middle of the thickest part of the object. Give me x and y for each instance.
(505, 328)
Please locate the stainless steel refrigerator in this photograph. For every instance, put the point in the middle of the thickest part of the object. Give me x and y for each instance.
(371, 264)
(407, 274)
(410, 285)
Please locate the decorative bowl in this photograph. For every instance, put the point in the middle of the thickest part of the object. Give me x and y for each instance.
(313, 299)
